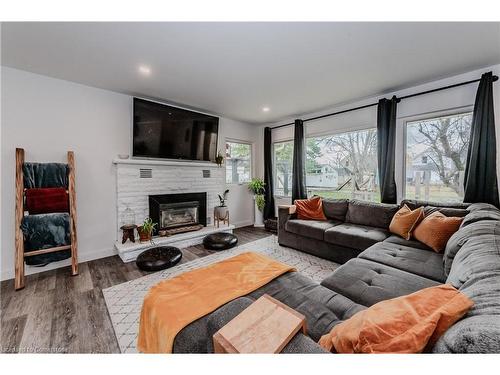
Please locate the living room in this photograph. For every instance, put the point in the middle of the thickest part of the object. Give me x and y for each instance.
(250, 187)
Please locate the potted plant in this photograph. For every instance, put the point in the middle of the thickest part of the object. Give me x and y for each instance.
(146, 230)
(221, 210)
(257, 187)
(219, 159)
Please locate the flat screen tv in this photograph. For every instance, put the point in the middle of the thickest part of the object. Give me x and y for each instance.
(166, 132)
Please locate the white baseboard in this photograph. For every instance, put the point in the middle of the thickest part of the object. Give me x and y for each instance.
(8, 272)
(244, 223)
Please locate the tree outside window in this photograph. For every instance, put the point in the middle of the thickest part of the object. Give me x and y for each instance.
(436, 151)
(238, 162)
(283, 159)
(343, 165)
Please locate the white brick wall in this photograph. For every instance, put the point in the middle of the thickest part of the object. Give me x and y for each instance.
(133, 191)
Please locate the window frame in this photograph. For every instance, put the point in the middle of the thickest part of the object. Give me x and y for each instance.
(340, 131)
(239, 141)
(275, 175)
(404, 121)
(325, 133)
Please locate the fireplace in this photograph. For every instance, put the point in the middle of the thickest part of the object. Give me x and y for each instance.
(177, 211)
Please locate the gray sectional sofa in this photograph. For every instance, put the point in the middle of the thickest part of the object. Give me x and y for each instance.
(378, 266)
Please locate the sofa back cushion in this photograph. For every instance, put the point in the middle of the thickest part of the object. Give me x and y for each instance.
(415, 203)
(447, 209)
(335, 209)
(477, 251)
(371, 214)
(474, 255)
(474, 234)
(481, 215)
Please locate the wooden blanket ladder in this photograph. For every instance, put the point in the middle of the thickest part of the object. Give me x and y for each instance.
(19, 238)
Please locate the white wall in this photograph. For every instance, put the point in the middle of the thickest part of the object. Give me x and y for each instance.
(240, 200)
(47, 117)
(458, 98)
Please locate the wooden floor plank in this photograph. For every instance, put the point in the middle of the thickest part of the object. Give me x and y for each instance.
(60, 313)
(12, 333)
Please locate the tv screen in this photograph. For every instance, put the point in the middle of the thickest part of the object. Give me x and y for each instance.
(166, 132)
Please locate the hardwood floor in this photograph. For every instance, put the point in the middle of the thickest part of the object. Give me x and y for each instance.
(58, 313)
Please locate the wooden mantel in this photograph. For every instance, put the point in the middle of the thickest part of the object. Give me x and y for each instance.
(176, 163)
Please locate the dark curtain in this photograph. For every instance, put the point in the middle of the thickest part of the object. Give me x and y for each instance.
(480, 179)
(386, 136)
(268, 174)
(299, 165)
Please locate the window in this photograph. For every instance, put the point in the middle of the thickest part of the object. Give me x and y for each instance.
(436, 151)
(283, 159)
(343, 165)
(238, 162)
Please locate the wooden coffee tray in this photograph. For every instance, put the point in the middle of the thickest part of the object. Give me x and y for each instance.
(266, 326)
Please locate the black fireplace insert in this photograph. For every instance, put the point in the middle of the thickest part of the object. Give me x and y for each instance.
(178, 210)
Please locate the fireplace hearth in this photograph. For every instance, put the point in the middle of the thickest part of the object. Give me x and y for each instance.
(173, 212)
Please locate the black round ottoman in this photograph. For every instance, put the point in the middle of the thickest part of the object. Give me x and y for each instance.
(220, 241)
(158, 258)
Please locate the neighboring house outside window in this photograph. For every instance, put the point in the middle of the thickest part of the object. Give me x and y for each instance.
(238, 162)
(436, 152)
(343, 165)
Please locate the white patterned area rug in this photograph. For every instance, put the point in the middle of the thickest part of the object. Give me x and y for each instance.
(124, 301)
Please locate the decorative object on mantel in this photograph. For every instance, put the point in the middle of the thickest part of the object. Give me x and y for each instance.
(221, 212)
(123, 156)
(48, 232)
(220, 241)
(128, 232)
(146, 230)
(257, 187)
(158, 258)
(219, 159)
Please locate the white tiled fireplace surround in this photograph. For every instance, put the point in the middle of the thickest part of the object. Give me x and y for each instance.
(137, 179)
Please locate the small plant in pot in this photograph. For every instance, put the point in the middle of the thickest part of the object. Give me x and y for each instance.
(219, 159)
(221, 210)
(146, 230)
(257, 187)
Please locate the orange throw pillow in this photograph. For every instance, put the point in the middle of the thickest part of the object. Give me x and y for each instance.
(407, 324)
(436, 229)
(310, 209)
(405, 221)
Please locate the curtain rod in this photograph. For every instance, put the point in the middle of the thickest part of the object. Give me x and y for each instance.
(495, 78)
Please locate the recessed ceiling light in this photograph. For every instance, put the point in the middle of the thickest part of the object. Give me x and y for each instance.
(144, 70)
(266, 109)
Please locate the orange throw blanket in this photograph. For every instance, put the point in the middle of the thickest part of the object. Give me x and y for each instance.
(173, 304)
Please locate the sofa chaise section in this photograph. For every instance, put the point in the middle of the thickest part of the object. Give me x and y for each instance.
(322, 307)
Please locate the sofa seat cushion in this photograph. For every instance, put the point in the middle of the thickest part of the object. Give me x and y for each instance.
(322, 307)
(424, 263)
(310, 228)
(366, 282)
(408, 243)
(355, 236)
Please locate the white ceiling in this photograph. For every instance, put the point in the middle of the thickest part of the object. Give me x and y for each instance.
(235, 69)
